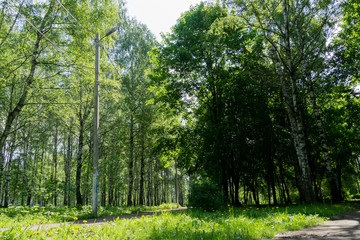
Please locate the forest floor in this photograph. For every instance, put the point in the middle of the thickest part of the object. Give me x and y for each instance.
(344, 226)
(230, 223)
(99, 220)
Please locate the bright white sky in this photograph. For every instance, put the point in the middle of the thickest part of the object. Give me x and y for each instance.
(159, 15)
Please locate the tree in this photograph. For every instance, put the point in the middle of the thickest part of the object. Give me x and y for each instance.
(134, 43)
(294, 31)
(45, 26)
(46, 66)
(204, 72)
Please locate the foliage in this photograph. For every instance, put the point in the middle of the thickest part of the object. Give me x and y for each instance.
(206, 195)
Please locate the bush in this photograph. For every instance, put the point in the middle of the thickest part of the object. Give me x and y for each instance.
(206, 195)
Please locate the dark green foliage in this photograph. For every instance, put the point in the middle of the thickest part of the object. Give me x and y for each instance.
(206, 195)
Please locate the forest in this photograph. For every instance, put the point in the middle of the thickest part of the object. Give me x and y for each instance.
(244, 102)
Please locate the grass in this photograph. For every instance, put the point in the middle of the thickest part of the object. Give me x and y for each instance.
(230, 223)
(17, 216)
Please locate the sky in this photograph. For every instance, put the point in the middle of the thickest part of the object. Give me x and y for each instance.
(159, 15)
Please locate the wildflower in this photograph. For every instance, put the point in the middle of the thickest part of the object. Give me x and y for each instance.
(244, 210)
(147, 215)
(78, 227)
(47, 233)
(142, 216)
(38, 232)
(75, 218)
(228, 205)
(277, 207)
(31, 234)
(84, 221)
(257, 208)
(104, 219)
(216, 225)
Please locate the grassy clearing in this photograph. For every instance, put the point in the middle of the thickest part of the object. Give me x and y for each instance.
(23, 216)
(230, 223)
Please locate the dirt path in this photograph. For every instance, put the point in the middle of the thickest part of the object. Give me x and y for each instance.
(99, 220)
(344, 227)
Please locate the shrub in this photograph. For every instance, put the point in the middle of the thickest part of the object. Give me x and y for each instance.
(206, 195)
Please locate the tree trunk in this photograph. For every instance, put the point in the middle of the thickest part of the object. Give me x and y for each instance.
(142, 172)
(103, 188)
(24, 180)
(40, 194)
(131, 162)
(150, 184)
(79, 200)
(236, 190)
(297, 130)
(111, 171)
(55, 164)
(31, 189)
(68, 167)
(8, 172)
(293, 108)
(176, 185)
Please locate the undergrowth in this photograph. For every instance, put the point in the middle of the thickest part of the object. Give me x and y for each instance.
(229, 223)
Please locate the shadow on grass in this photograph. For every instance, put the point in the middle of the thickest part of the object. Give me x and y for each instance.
(195, 234)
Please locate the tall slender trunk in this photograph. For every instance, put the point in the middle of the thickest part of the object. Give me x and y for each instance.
(150, 184)
(297, 129)
(8, 170)
(55, 164)
(131, 162)
(31, 189)
(111, 171)
(40, 195)
(176, 185)
(142, 171)
(2, 162)
(181, 194)
(79, 200)
(236, 191)
(156, 182)
(290, 91)
(68, 166)
(24, 180)
(103, 187)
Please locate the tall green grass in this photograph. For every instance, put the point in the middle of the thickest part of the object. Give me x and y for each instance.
(230, 223)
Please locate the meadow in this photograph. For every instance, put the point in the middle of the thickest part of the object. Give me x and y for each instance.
(230, 223)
